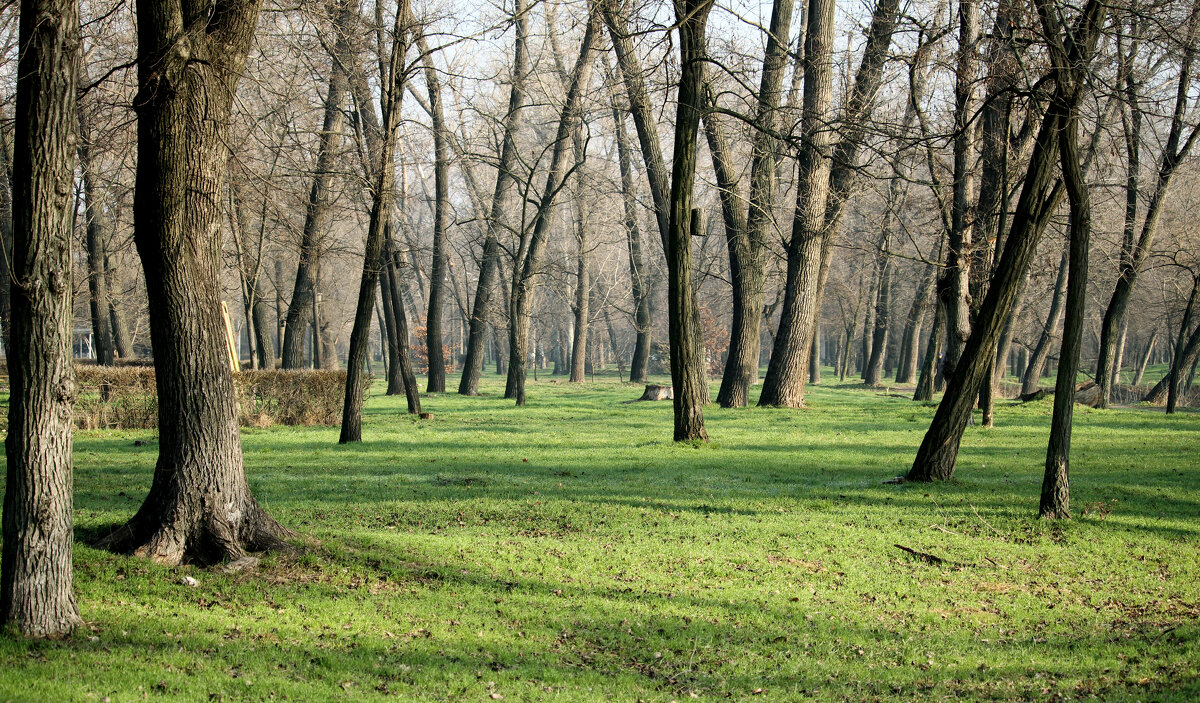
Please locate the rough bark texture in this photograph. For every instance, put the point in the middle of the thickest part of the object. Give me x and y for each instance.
(688, 376)
(97, 231)
(1040, 196)
(747, 244)
(200, 507)
(36, 583)
(383, 193)
(1037, 360)
(1180, 363)
(316, 216)
(1056, 493)
(441, 224)
(527, 266)
(502, 197)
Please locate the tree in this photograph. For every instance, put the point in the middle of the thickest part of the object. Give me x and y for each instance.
(200, 508)
(383, 193)
(95, 236)
(687, 352)
(1040, 196)
(36, 581)
(441, 222)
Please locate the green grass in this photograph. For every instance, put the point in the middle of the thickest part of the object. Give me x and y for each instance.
(569, 551)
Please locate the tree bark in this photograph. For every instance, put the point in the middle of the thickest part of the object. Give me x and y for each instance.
(1055, 502)
(527, 265)
(1037, 361)
(1144, 359)
(36, 580)
(441, 223)
(1177, 146)
(502, 196)
(906, 368)
(403, 357)
(98, 230)
(688, 375)
(383, 193)
(199, 508)
(1180, 362)
(1040, 196)
(317, 211)
(639, 364)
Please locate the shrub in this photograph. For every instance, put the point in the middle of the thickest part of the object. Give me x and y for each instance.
(126, 398)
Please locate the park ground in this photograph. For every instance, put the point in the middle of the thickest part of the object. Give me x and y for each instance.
(569, 551)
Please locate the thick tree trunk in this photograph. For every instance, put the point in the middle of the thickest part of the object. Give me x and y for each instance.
(823, 185)
(200, 508)
(383, 193)
(6, 243)
(1055, 501)
(1040, 196)
(98, 230)
(317, 212)
(441, 223)
(747, 243)
(502, 198)
(1037, 361)
(36, 580)
(688, 375)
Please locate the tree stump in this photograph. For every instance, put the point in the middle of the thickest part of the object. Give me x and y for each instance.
(654, 392)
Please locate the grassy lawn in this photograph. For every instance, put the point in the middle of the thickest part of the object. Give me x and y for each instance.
(569, 551)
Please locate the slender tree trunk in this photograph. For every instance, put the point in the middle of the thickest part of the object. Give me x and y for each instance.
(1191, 352)
(395, 380)
(1181, 362)
(36, 580)
(441, 223)
(1040, 196)
(412, 393)
(528, 262)
(98, 230)
(927, 382)
(640, 362)
(199, 508)
(1177, 146)
(906, 371)
(814, 357)
(122, 339)
(383, 192)
(317, 212)
(1055, 501)
(502, 198)
(1037, 361)
(1144, 360)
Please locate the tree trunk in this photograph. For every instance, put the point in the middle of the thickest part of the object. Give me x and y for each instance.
(822, 188)
(200, 508)
(122, 339)
(36, 580)
(1055, 503)
(1177, 146)
(441, 223)
(317, 212)
(1037, 361)
(1040, 196)
(395, 381)
(383, 192)
(1191, 351)
(906, 368)
(391, 274)
(1181, 362)
(927, 383)
(1144, 360)
(527, 266)
(639, 365)
(502, 198)
(98, 229)
(747, 243)
(814, 357)
(688, 376)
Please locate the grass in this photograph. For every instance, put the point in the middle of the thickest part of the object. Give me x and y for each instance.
(568, 551)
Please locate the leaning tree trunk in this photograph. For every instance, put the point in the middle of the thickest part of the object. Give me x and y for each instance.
(317, 212)
(1180, 363)
(1144, 360)
(383, 193)
(441, 223)
(502, 199)
(1191, 351)
(96, 232)
(200, 508)
(927, 381)
(687, 354)
(1037, 361)
(392, 266)
(1056, 492)
(36, 582)
(906, 370)
(1040, 196)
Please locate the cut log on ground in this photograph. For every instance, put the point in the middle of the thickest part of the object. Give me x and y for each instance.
(654, 392)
